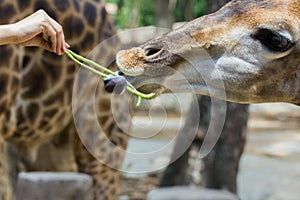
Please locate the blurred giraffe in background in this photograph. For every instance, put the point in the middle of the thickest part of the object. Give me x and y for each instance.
(36, 97)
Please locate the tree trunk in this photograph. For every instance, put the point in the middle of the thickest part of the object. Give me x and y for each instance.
(215, 5)
(188, 14)
(164, 13)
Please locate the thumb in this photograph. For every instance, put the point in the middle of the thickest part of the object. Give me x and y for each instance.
(42, 42)
(45, 45)
(39, 41)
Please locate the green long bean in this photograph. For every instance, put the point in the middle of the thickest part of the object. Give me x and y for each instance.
(82, 60)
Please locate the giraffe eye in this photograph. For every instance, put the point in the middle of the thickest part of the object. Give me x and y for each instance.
(272, 40)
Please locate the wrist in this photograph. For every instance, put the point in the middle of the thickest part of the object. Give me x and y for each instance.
(8, 34)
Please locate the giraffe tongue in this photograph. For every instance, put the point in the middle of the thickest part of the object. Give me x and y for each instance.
(116, 84)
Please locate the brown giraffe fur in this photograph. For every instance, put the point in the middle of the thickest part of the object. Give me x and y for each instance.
(36, 96)
(250, 46)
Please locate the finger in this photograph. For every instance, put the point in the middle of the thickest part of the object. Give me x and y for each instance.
(38, 41)
(63, 48)
(51, 33)
(59, 44)
(63, 43)
(60, 36)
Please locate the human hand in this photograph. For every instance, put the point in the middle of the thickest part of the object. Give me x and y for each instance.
(40, 30)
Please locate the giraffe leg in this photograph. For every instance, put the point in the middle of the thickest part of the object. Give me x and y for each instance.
(106, 159)
(105, 178)
(55, 155)
(99, 140)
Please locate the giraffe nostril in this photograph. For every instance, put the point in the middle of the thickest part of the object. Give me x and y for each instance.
(152, 51)
(120, 73)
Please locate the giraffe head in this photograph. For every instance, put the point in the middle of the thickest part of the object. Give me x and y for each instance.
(248, 49)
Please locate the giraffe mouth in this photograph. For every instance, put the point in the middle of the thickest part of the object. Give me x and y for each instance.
(117, 84)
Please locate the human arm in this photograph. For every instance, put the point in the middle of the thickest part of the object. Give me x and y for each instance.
(37, 29)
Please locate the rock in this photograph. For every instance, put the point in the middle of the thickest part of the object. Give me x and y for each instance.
(190, 193)
(49, 186)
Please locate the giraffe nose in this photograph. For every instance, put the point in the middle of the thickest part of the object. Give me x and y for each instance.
(120, 73)
(152, 51)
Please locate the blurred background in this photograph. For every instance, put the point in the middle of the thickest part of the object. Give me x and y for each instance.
(258, 154)
(137, 13)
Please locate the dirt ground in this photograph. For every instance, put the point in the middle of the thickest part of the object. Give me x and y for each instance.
(269, 168)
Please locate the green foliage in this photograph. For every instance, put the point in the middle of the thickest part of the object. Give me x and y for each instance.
(189, 9)
(146, 11)
(199, 8)
(126, 9)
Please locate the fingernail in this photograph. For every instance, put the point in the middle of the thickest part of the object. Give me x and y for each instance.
(67, 45)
